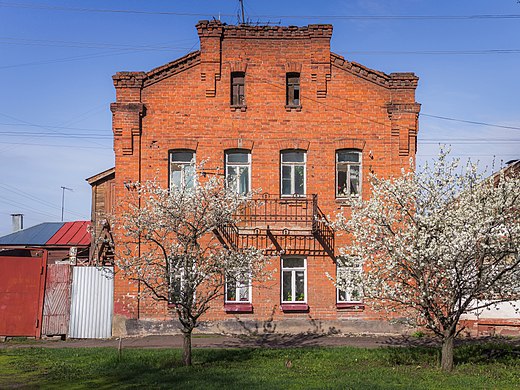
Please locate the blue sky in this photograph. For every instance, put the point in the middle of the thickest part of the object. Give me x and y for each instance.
(57, 59)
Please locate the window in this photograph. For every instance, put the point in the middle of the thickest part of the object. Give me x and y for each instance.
(349, 275)
(182, 169)
(238, 290)
(238, 171)
(293, 89)
(293, 173)
(348, 173)
(238, 95)
(294, 280)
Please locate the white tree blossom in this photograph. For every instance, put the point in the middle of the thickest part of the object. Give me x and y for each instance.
(170, 246)
(437, 244)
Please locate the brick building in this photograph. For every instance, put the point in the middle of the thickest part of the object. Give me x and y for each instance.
(274, 107)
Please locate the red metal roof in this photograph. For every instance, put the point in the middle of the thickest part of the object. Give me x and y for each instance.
(72, 234)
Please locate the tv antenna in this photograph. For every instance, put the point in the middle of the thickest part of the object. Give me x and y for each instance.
(242, 11)
(63, 188)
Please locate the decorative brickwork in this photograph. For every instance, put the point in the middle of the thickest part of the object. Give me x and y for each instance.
(185, 104)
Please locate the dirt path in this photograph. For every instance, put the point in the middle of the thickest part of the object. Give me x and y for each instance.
(221, 341)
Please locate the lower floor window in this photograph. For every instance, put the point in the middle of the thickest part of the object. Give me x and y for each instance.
(349, 280)
(238, 289)
(294, 279)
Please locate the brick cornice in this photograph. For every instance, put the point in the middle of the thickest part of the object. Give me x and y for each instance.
(393, 80)
(128, 79)
(171, 68)
(216, 28)
(128, 107)
(403, 108)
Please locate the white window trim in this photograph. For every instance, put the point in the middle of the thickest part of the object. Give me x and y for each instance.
(358, 269)
(360, 163)
(237, 289)
(237, 165)
(292, 165)
(182, 163)
(293, 280)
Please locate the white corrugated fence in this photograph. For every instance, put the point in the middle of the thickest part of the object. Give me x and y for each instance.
(92, 302)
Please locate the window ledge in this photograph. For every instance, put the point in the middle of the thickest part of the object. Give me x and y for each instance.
(289, 107)
(238, 307)
(352, 306)
(296, 307)
(238, 107)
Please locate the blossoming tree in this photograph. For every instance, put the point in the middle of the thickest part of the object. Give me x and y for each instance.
(170, 246)
(436, 244)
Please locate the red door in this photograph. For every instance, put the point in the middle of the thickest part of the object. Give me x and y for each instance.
(22, 282)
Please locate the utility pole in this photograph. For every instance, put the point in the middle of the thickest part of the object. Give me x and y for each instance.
(63, 188)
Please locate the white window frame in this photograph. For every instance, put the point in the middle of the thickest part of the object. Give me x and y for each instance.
(183, 165)
(239, 285)
(293, 271)
(237, 166)
(348, 293)
(292, 165)
(348, 165)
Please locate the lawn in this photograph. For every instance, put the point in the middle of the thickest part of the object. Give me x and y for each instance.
(478, 367)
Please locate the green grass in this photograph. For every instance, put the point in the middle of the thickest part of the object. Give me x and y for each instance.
(478, 367)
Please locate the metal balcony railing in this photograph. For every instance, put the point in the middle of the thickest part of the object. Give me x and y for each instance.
(293, 225)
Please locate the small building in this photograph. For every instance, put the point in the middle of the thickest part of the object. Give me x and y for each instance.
(47, 287)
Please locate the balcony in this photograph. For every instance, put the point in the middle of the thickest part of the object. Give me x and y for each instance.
(280, 225)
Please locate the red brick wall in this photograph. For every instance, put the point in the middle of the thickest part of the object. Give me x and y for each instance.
(186, 104)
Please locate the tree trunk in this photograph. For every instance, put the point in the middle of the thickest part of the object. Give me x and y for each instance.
(447, 353)
(186, 348)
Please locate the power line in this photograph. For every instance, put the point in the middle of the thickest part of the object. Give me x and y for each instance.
(434, 52)
(54, 127)
(56, 146)
(210, 14)
(89, 45)
(470, 122)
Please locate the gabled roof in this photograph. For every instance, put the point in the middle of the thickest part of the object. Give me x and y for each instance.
(35, 235)
(100, 176)
(72, 234)
(50, 234)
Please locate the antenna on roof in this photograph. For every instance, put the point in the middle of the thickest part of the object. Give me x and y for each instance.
(242, 9)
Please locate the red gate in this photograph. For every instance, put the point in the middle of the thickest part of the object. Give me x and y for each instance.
(56, 307)
(22, 283)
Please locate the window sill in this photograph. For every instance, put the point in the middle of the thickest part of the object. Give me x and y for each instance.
(350, 306)
(347, 201)
(289, 107)
(295, 307)
(238, 307)
(239, 107)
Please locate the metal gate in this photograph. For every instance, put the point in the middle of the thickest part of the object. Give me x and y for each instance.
(22, 282)
(92, 302)
(56, 306)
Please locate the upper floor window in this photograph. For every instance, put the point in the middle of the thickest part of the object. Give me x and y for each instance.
(293, 172)
(182, 169)
(238, 171)
(348, 173)
(238, 92)
(293, 89)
